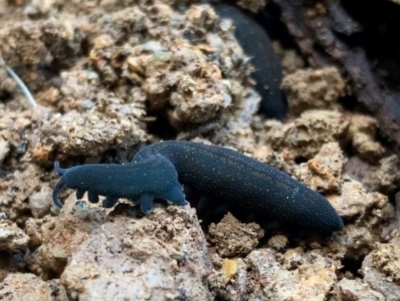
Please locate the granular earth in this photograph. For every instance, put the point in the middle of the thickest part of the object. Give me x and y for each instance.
(112, 76)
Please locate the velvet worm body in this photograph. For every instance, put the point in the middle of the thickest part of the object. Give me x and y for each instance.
(216, 180)
(221, 180)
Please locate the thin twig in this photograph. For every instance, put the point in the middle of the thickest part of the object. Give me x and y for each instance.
(20, 83)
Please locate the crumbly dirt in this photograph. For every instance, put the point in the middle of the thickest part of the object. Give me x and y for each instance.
(377, 271)
(292, 275)
(314, 89)
(304, 136)
(30, 287)
(162, 257)
(323, 173)
(382, 176)
(252, 5)
(12, 237)
(111, 76)
(232, 238)
(354, 289)
(56, 237)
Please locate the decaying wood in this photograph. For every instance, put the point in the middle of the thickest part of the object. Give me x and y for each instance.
(317, 29)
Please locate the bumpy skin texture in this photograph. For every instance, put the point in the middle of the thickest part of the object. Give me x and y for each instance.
(154, 177)
(257, 45)
(220, 179)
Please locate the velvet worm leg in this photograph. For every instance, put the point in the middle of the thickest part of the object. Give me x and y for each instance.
(146, 203)
(93, 197)
(110, 201)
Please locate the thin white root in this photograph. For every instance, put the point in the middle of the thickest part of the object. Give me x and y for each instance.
(20, 83)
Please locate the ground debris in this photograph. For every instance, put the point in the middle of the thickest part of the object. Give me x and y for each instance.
(355, 289)
(314, 89)
(233, 238)
(57, 237)
(380, 269)
(17, 189)
(317, 28)
(11, 237)
(20, 286)
(323, 173)
(159, 257)
(294, 275)
(109, 124)
(109, 74)
(305, 136)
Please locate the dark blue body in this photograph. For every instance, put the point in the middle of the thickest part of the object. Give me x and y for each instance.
(153, 178)
(267, 67)
(221, 179)
(216, 180)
